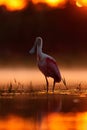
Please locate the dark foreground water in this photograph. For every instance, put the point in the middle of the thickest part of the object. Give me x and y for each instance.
(43, 112)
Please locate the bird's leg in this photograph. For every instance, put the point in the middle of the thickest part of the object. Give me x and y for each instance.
(47, 83)
(53, 85)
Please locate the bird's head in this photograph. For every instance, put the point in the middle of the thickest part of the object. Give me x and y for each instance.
(32, 51)
(38, 42)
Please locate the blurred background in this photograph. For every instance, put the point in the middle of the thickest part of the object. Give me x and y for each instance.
(61, 23)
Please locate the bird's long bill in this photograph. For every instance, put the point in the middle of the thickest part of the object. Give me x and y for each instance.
(32, 51)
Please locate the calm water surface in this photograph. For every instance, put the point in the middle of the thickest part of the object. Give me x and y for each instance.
(43, 112)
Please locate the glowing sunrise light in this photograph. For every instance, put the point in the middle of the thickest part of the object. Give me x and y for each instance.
(81, 3)
(78, 4)
(38, 1)
(57, 121)
(53, 3)
(13, 4)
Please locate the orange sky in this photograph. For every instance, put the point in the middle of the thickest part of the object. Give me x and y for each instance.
(52, 3)
(14, 4)
(20, 4)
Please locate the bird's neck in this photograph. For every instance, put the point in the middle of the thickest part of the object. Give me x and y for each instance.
(39, 53)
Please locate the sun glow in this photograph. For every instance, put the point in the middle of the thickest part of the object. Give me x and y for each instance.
(81, 3)
(53, 121)
(13, 4)
(55, 2)
(56, 121)
(52, 3)
(20, 4)
(16, 123)
(78, 4)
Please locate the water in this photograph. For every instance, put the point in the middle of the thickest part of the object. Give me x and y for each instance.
(43, 112)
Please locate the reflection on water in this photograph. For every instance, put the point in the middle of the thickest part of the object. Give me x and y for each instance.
(46, 112)
(63, 121)
(42, 111)
(53, 121)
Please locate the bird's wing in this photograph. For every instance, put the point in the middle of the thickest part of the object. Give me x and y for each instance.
(52, 68)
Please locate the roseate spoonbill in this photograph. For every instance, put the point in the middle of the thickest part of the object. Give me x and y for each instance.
(46, 63)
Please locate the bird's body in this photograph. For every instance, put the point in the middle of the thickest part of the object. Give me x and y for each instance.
(49, 68)
(46, 63)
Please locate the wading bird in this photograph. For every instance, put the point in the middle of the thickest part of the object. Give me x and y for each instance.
(46, 63)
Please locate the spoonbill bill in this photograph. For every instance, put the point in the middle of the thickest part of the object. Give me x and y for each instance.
(46, 63)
